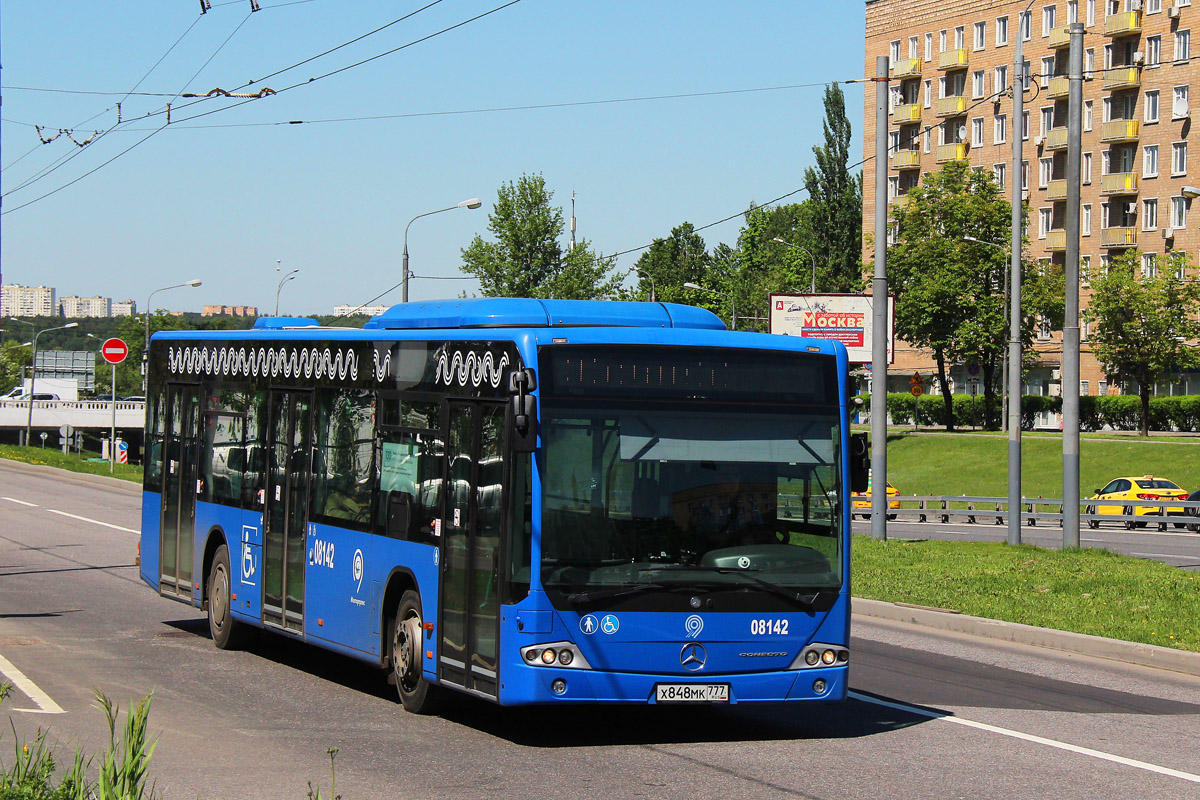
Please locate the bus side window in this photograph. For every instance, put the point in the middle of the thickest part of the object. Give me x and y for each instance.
(520, 528)
(410, 483)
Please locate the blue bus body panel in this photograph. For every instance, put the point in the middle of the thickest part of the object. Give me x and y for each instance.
(525, 313)
(151, 524)
(246, 547)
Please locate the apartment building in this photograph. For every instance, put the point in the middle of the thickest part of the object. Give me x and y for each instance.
(124, 308)
(950, 100)
(229, 311)
(371, 311)
(28, 301)
(75, 306)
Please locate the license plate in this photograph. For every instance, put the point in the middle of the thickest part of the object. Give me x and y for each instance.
(691, 692)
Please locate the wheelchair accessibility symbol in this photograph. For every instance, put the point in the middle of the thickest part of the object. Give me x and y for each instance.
(610, 624)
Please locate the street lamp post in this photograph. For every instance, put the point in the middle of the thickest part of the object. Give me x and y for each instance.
(813, 287)
(33, 377)
(194, 282)
(474, 202)
(729, 297)
(648, 277)
(291, 276)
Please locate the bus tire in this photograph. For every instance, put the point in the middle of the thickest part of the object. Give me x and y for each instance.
(227, 633)
(417, 695)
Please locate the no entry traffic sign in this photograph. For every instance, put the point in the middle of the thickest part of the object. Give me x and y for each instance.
(114, 350)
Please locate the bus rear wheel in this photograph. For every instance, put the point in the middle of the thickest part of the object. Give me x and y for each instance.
(227, 633)
(417, 695)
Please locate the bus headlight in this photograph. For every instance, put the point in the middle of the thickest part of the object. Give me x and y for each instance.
(548, 655)
(821, 655)
(554, 654)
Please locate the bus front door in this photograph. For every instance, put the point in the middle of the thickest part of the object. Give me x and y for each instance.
(470, 603)
(289, 447)
(181, 454)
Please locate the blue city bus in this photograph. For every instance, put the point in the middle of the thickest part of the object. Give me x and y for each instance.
(530, 501)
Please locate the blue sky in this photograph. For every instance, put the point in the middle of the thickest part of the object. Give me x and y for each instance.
(224, 196)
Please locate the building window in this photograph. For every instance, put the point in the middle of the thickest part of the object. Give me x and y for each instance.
(1091, 13)
(1180, 270)
(1044, 329)
(894, 51)
(1149, 267)
(1087, 168)
(893, 141)
(977, 132)
(1047, 70)
(1000, 80)
(929, 47)
(1047, 120)
(999, 132)
(960, 37)
(977, 83)
(1045, 171)
(1001, 31)
(1150, 161)
(1151, 112)
(980, 35)
(1025, 126)
(1026, 25)
(1047, 20)
(1089, 62)
(926, 143)
(1044, 217)
(1107, 105)
(928, 93)
(1085, 219)
(1085, 270)
(1072, 11)
(1083, 385)
(1101, 387)
(999, 172)
(941, 41)
(1087, 115)
(893, 187)
(1153, 6)
(1105, 264)
(1153, 51)
(1150, 214)
(1183, 45)
(913, 50)
(1179, 102)
(1178, 213)
(1179, 158)
(1024, 177)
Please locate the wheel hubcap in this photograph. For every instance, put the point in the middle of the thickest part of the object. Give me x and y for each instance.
(408, 639)
(219, 602)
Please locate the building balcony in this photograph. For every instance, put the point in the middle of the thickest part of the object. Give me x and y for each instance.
(1056, 241)
(953, 59)
(906, 159)
(906, 68)
(951, 152)
(1123, 23)
(1060, 38)
(908, 112)
(1118, 183)
(1118, 237)
(1121, 130)
(1056, 139)
(951, 106)
(1059, 86)
(1056, 190)
(1122, 78)
(899, 201)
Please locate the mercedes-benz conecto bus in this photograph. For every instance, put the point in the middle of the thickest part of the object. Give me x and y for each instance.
(528, 501)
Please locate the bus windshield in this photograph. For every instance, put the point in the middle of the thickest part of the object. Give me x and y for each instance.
(685, 495)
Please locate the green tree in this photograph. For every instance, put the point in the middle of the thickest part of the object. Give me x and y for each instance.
(13, 356)
(669, 263)
(836, 198)
(950, 291)
(1144, 326)
(526, 259)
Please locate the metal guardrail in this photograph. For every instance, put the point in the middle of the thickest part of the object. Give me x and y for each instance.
(994, 510)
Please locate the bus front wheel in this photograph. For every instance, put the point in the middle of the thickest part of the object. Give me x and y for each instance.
(227, 633)
(417, 695)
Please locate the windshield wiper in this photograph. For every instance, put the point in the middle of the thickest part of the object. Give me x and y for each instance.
(580, 598)
(807, 600)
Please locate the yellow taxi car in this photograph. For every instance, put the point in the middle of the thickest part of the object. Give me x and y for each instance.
(862, 500)
(1129, 490)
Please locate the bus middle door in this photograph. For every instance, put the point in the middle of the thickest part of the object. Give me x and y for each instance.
(289, 448)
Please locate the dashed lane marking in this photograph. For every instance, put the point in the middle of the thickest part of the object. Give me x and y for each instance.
(20, 502)
(1028, 737)
(93, 521)
(45, 704)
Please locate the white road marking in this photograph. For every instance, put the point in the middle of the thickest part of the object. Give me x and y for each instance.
(93, 521)
(1072, 748)
(20, 502)
(45, 704)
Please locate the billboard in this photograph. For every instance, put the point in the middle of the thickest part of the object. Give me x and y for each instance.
(846, 318)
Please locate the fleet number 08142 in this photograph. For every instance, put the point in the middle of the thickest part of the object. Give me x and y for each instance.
(768, 627)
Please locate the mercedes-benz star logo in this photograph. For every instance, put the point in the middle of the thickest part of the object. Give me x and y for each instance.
(692, 656)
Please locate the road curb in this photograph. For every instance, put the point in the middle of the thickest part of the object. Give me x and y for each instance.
(1146, 655)
(82, 477)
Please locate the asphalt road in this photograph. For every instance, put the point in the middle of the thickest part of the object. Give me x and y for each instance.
(1178, 547)
(933, 715)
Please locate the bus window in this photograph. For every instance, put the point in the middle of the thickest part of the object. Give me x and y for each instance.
(224, 458)
(410, 482)
(343, 471)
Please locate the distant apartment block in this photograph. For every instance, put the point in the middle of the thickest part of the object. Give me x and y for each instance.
(370, 311)
(28, 301)
(229, 311)
(74, 306)
(124, 308)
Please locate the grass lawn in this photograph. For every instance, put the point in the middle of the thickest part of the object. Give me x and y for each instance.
(1096, 592)
(73, 463)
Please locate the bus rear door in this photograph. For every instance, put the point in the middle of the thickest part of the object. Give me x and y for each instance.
(289, 448)
(181, 454)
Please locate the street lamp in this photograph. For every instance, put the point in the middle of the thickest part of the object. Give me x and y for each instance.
(813, 288)
(648, 277)
(194, 282)
(291, 276)
(474, 202)
(729, 297)
(33, 377)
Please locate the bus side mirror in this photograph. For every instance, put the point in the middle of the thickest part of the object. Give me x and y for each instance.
(860, 462)
(523, 410)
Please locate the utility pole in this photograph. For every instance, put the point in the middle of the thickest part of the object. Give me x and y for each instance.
(1070, 363)
(879, 301)
(571, 246)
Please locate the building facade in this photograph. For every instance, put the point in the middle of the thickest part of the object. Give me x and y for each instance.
(229, 311)
(370, 311)
(28, 301)
(950, 100)
(124, 308)
(75, 306)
